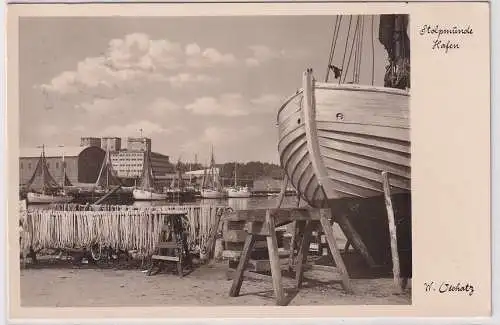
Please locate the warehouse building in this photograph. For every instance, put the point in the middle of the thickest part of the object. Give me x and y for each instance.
(82, 163)
(129, 164)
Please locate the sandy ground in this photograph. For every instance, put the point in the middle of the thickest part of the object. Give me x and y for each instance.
(206, 285)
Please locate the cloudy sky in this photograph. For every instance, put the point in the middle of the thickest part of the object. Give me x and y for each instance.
(188, 82)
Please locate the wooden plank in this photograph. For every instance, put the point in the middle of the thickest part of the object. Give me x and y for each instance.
(324, 268)
(309, 107)
(238, 246)
(401, 134)
(328, 230)
(306, 230)
(390, 144)
(398, 284)
(165, 258)
(272, 246)
(235, 225)
(238, 280)
(234, 236)
(260, 214)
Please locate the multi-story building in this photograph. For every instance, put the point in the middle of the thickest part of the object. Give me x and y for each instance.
(111, 143)
(139, 144)
(90, 142)
(129, 164)
(82, 163)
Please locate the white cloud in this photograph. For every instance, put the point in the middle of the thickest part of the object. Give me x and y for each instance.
(196, 58)
(135, 57)
(262, 54)
(225, 105)
(182, 79)
(234, 105)
(162, 105)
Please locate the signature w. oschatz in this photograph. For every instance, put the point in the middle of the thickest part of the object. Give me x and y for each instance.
(449, 287)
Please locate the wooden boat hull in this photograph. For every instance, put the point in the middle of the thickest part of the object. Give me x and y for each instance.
(38, 198)
(336, 140)
(143, 195)
(212, 194)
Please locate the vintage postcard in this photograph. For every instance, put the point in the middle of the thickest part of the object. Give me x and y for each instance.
(248, 160)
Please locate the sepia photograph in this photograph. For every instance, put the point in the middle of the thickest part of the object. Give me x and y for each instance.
(203, 161)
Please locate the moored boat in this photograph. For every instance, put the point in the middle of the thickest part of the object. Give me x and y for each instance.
(148, 195)
(211, 185)
(146, 190)
(42, 188)
(40, 198)
(237, 191)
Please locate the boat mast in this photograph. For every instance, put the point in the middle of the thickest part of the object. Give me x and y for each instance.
(235, 175)
(43, 169)
(63, 181)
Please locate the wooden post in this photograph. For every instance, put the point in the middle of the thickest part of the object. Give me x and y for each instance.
(392, 233)
(245, 256)
(354, 239)
(332, 244)
(305, 227)
(347, 244)
(274, 259)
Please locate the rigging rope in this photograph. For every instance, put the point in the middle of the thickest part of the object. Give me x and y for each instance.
(356, 30)
(360, 49)
(335, 36)
(345, 49)
(373, 52)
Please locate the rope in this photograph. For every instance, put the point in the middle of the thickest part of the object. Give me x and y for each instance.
(373, 52)
(335, 36)
(360, 49)
(346, 43)
(356, 30)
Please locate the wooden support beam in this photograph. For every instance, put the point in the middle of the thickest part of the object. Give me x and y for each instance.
(306, 227)
(328, 230)
(245, 256)
(398, 284)
(274, 259)
(355, 239)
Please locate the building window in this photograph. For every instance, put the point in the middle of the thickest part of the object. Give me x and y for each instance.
(29, 165)
(48, 165)
(57, 165)
(21, 165)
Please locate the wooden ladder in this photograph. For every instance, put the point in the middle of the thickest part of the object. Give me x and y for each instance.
(172, 245)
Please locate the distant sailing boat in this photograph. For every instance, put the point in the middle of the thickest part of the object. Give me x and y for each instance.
(212, 188)
(146, 190)
(238, 191)
(42, 187)
(107, 176)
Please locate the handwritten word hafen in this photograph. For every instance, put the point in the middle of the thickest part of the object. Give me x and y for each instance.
(445, 37)
(441, 45)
